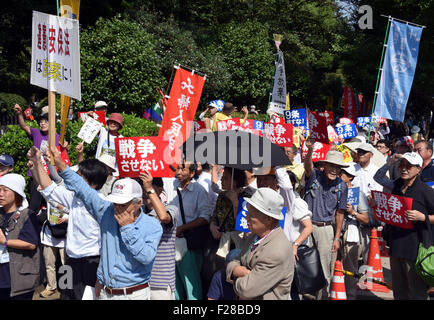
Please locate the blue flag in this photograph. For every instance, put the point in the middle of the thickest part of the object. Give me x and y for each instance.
(241, 222)
(398, 71)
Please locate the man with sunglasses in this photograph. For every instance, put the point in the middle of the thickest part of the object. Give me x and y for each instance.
(365, 170)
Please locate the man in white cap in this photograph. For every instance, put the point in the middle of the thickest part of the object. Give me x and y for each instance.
(404, 243)
(326, 194)
(365, 170)
(129, 238)
(265, 267)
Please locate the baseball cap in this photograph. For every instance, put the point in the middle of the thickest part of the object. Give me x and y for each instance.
(6, 160)
(413, 158)
(100, 104)
(124, 190)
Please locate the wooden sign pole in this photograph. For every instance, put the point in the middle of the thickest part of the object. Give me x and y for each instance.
(51, 123)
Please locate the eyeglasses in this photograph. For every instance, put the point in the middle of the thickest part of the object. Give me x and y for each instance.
(361, 152)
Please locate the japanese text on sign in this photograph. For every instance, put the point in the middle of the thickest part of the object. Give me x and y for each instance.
(391, 208)
(55, 63)
(136, 154)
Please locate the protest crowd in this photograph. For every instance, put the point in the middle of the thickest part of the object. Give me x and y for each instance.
(211, 231)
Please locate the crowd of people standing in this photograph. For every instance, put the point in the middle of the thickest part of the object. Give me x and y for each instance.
(128, 238)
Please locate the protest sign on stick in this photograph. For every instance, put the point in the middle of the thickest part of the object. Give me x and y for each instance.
(319, 151)
(229, 124)
(89, 130)
(280, 134)
(318, 127)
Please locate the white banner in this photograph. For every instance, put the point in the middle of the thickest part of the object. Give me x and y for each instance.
(278, 99)
(56, 54)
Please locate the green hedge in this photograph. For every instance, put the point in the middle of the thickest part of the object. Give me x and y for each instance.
(8, 100)
(15, 142)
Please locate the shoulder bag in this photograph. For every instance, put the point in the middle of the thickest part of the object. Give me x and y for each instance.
(424, 266)
(308, 274)
(198, 238)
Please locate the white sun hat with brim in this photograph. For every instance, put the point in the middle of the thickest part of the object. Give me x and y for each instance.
(125, 190)
(16, 183)
(264, 171)
(109, 161)
(351, 169)
(366, 147)
(413, 158)
(335, 157)
(267, 201)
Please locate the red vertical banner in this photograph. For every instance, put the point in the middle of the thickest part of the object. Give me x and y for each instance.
(350, 109)
(180, 110)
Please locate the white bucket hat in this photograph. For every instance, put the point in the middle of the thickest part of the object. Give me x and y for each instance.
(268, 201)
(366, 147)
(16, 183)
(335, 157)
(125, 190)
(108, 161)
(415, 129)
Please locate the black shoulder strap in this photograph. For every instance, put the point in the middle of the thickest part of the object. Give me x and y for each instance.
(181, 205)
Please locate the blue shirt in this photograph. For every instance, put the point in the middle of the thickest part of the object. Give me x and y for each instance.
(325, 198)
(128, 252)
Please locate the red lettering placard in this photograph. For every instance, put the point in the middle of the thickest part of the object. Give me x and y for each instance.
(319, 151)
(281, 134)
(97, 115)
(229, 124)
(318, 127)
(136, 154)
(390, 209)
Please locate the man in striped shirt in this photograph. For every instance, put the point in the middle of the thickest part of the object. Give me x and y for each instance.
(163, 272)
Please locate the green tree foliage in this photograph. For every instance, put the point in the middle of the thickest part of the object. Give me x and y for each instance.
(7, 102)
(248, 55)
(119, 65)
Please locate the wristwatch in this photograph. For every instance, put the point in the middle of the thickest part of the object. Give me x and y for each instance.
(296, 244)
(150, 192)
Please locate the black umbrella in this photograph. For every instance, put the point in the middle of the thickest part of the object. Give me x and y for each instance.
(237, 149)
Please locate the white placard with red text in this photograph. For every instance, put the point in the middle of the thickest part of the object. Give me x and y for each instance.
(55, 63)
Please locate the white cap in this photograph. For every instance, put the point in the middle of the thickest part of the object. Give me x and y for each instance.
(99, 104)
(108, 160)
(413, 158)
(268, 201)
(125, 190)
(16, 183)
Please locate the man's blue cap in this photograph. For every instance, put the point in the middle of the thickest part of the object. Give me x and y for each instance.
(6, 160)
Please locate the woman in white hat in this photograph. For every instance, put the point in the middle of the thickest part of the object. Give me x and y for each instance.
(19, 238)
(356, 214)
(265, 267)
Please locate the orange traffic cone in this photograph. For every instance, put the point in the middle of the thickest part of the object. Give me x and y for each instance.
(375, 269)
(338, 283)
(382, 243)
